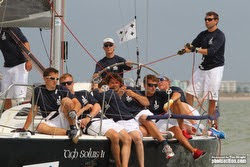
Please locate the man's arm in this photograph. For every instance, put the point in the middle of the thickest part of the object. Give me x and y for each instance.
(95, 110)
(28, 64)
(141, 99)
(29, 117)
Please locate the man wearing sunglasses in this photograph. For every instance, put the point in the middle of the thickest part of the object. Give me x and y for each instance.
(58, 107)
(207, 78)
(189, 127)
(159, 103)
(109, 59)
(89, 116)
(135, 103)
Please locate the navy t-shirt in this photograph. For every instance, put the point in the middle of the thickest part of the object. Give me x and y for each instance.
(157, 102)
(84, 97)
(50, 100)
(179, 90)
(215, 43)
(11, 52)
(105, 62)
(134, 106)
(113, 106)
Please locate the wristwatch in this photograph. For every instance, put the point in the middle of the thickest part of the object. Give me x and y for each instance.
(90, 116)
(197, 49)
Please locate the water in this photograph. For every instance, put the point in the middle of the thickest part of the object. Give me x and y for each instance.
(234, 121)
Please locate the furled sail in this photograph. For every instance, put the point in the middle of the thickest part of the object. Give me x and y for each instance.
(25, 13)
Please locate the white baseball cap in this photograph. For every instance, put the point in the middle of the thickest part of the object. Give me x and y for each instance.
(108, 40)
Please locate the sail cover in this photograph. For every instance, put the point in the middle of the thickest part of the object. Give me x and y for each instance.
(25, 13)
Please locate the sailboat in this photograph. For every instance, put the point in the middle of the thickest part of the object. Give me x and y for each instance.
(26, 149)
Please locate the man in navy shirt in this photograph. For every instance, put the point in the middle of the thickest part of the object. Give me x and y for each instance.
(90, 121)
(58, 107)
(135, 102)
(159, 99)
(207, 78)
(109, 59)
(16, 66)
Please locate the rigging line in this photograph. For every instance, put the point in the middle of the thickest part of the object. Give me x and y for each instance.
(73, 35)
(122, 18)
(46, 51)
(167, 57)
(147, 31)
(5, 6)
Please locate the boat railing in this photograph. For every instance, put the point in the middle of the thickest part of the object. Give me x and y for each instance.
(5, 94)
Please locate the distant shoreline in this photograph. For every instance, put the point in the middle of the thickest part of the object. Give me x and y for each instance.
(234, 98)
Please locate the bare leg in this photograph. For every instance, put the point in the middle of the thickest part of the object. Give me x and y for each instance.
(8, 104)
(144, 131)
(67, 105)
(179, 136)
(151, 128)
(211, 110)
(115, 147)
(136, 137)
(190, 99)
(179, 109)
(46, 129)
(126, 147)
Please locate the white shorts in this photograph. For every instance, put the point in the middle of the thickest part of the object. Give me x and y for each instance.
(15, 75)
(206, 83)
(129, 125)
(164, 124)
(107, 124)
(143, 112)
(59, 121)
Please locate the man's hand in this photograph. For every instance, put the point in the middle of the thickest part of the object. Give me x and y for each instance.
(28, 65)
(84, 122)
(168, 105)
(129, 63)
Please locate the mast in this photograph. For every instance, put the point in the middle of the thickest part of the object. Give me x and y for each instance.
(57, 36)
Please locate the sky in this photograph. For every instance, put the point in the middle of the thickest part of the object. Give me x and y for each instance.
(163, 28)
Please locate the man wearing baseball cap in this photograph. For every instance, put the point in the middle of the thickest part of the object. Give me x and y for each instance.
(109, 59)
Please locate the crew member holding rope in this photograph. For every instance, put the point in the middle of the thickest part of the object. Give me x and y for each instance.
(16, 66)
(207, 79)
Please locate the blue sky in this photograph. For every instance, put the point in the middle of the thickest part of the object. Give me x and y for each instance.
(163, 28)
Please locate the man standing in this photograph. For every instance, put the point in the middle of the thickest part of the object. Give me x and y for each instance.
(109, 59)
(16, 66)
(207, 79)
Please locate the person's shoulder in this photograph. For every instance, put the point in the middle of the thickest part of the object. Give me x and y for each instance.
(81, 92)
(119, 57)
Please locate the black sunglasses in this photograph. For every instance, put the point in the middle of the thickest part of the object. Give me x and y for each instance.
(108, 45)
(67, 83)
(209, 19)
(151, 85)
(52, 78)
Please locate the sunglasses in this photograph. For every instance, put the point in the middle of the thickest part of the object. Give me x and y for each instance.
(163, 79)
(52, 78)
(67, 83)
(209, 19)
(108, 45)
(151, 85)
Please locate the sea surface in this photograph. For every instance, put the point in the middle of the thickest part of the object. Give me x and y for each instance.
(235, 122)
